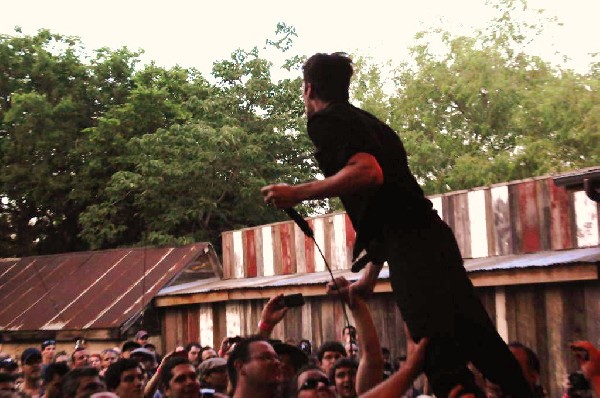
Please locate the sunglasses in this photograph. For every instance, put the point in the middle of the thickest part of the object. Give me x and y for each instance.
(313, 383)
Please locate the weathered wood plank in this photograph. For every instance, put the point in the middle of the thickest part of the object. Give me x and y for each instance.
(238, 255)
(300, 250)
(309, 250)
(477, 223)
(268, 251)
(528, 217)
(258, 249)
(319, 230)
(462, 223)
(207, 330)
(249, 253)
(288, 260)
(586, 218)
(227, 242)
(561, 236)
(503, 237)
(557, 368)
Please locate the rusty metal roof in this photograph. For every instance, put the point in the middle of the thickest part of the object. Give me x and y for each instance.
(93, 290)
(522, 261)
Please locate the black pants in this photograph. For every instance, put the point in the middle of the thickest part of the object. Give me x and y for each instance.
(437, 300)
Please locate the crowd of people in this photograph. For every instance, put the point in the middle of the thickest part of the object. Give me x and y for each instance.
(258, 366)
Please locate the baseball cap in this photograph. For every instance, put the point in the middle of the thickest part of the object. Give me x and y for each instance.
(140, 334)
(8, 364)
(143, 352)
(297, 356)
(210, 364)
(46, 343)
(30, 354)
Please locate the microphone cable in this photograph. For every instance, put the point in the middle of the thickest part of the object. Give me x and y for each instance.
(307, 230)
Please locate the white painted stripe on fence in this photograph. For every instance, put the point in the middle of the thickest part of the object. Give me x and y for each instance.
(267, 244)
(478, 223)
(206, 325)
(233, 319)
(319, 231)
(437, 205)
(238, 255)
(586, 219)
(339, 239)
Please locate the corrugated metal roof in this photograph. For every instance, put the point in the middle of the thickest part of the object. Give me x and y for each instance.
(533, 260)
(91, 290)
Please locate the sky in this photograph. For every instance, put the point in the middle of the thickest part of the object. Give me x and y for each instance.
(197, 33)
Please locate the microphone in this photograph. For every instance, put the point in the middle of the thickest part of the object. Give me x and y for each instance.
(300, 222)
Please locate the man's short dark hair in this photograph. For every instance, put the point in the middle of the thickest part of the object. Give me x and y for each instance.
(70, 382)
(130, 346)
(59, 368)
(112, 377)
(329, 76)
(341, 363)
(166, 371)
(189, 347)
(334, 346)
(532, 359)
(241, 351)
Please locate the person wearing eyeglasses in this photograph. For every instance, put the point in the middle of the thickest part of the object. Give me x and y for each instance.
(254, 369)
(125, 378)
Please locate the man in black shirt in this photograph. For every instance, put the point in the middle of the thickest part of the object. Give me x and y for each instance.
(365, 164)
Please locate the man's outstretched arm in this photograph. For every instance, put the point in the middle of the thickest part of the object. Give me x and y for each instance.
(362, 172)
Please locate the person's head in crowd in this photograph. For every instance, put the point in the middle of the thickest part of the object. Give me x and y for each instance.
(129, 346)
(193, 350)
(312, 382)
(348, 334)
(81, 383)
(53, 379)
(108, 356)
(31, 364)
(292, 359)
(61, 357)
(125, 378)
(48, 351)
(328, 353)
(206, 353)
(212, 373)
(141, 337)
(305, 346)
(145, 357)
(9, 365)
(528, 360)
(343, 376)
(150, 346)
(7, 384)
(178, 379)
(352, 350)
(95, 361)
(80, 358)
(253, 365)
(326, 78)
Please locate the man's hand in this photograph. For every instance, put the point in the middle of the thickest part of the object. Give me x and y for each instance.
(274, 311)
(282, 196)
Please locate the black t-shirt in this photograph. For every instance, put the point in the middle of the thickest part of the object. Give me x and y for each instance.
(340, 131)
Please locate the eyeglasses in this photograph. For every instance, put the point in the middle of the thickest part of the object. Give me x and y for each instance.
(313, 383)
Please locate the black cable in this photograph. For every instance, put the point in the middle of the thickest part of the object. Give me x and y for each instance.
(303, 224)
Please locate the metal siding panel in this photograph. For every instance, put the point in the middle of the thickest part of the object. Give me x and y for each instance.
(267, 239)
(586, 219)
(528, 217)
(478, 224)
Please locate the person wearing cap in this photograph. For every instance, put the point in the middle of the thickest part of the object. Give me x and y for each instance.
(48, 352)
(129, 346)
(9, 365)
(31, 364)
(212, 373)
(141, 337)
(147, 360)
(292, 360)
